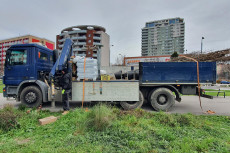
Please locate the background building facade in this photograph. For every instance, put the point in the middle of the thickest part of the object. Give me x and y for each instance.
(5, 44)
(134, 61)
(163, 37)
(89, 41)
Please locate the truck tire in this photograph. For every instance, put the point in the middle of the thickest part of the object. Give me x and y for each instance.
(31, 96)
(133, 105)
(162, 99)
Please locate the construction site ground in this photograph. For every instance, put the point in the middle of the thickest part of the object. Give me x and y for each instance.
(189, 104)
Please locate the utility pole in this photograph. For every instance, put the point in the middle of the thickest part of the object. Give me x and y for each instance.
(202, 44)
(110, 53)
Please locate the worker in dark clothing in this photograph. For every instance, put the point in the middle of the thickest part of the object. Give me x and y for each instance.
(66, 89)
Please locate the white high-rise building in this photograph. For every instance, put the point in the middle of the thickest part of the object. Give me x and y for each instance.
(163, 37)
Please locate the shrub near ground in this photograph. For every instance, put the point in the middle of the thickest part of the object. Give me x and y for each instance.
(8, 118)
(122, 131)
(1, 86)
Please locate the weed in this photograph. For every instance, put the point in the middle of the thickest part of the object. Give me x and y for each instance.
(81, 128)
(8, 108)
(46, 111)
(137, 113)
(167, 119)
(22, 107)
(185, 120)
(35, 114)
(116, 110)
(100, 117)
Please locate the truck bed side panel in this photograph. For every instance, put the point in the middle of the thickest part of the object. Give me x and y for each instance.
(177, 72)
(106, 91)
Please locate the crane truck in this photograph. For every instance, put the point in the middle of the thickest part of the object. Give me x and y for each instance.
(32, 75)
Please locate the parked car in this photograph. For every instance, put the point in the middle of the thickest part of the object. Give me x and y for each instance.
(224, 82)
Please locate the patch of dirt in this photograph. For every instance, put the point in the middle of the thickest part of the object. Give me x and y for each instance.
(22, 141)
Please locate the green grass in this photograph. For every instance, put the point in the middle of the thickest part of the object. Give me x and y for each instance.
(126, 131)
(227, 92)
(1, 86)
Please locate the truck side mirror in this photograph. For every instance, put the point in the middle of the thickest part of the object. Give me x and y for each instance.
(7, 53)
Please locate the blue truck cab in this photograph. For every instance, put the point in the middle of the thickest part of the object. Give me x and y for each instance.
(24, 66)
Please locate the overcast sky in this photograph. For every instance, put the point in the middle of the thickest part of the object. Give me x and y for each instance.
(123, 20)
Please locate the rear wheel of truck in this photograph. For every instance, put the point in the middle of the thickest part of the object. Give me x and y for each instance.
(128, 105)
(162, 99)
(31, 96)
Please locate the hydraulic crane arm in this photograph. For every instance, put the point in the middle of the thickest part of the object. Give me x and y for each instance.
(63, 59)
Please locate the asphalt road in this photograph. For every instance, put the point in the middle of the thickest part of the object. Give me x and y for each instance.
(189, 104)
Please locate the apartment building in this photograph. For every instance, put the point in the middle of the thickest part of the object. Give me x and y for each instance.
(89, 41)
(163, 37)
(6, 43)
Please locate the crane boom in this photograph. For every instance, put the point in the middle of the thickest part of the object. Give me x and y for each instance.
(63, 59)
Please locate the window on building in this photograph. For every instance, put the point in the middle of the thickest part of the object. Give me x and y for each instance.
(172, 21)
(150, 24)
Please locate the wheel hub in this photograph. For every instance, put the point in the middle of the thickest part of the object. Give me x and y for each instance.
(30, 97)
(162, 99)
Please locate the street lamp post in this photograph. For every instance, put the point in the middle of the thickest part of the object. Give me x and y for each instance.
(110, 53)
(202, 44)
(120, 60)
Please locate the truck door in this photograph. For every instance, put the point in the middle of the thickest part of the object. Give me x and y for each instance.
(17, 66)
(43, 62)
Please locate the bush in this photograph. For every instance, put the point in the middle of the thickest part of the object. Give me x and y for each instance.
(175, 54)
(8, 120)
(100, 117)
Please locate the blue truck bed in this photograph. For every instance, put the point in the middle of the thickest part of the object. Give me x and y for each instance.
(177, 72)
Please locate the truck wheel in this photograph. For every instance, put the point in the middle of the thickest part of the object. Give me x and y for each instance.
(162, 99)
(31, 96)
(133, 104)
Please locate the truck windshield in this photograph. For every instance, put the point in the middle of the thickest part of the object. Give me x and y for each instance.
(17, 57)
